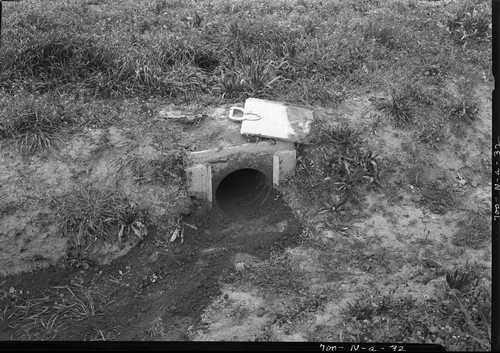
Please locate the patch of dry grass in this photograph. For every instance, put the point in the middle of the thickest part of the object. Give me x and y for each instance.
(89, 214)
(43, 318)
(33, 122)
(157, 329)
(473, 232)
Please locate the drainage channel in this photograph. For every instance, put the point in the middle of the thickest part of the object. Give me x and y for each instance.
(243, 192)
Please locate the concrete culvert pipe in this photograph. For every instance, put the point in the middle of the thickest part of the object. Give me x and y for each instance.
(243, 191)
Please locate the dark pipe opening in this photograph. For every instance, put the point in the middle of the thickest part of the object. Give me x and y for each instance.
(242, 192)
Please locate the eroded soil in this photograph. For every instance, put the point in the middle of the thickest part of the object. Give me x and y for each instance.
(160, 281)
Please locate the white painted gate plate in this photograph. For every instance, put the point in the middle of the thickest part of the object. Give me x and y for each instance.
(278, 120)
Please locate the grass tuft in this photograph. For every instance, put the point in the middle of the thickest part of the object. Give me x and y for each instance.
(473, 231)
(381, 32)
(56, 61)
(157, 330)
(461, 115)
(432, 134)
(90, 214)
(469, 23)
(163, 171)
(400, 108)
(459, 320)
(457, 280)
(333, 170)
(43, 318)
(33, 122)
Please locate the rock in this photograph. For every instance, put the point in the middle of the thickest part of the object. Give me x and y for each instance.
(12, 290)
(430, 263)
(153, 257)
(439, 210)
(260, 312)
(328, 233)
(440, 185)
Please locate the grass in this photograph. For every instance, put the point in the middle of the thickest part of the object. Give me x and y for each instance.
(457, 280)
(232, 51)
(460, 320)
(410, 104)
(471, 22)
(379, 30)
(70, 63)
(157, 330)
(89, 214)
(33, 123)
(332, 171)
(163, 171)
(400, 107)
(36, 122)
(432, 135)
(474, 231)
(298, 309)
(276, 275)
(461, 115)
(43, 318)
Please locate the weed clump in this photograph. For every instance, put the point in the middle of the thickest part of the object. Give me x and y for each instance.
(33, 122)
(457, 280)
(333, 170)
(407, 103)
(58, 61)
(470, 22)
(400, 108)
(458, 319)
(157, 329)
(381, 32)
(161, 171)
(473, 232)
(432, 134)
(461, 115)
(89, 214)
(45, 317)
(368, 306)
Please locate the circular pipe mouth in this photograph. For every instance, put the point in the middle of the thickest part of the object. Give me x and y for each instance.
(243, 191)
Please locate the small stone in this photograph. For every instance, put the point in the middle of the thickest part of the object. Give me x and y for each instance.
(430, 263)
(440, 210)
(260, 312)
(177, 251)
(153, 257)
(328, 233)
(12, 290)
